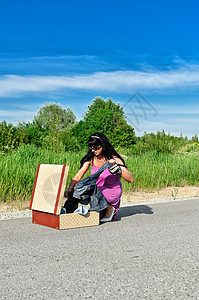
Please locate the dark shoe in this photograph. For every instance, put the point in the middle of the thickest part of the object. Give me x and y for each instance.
(63, 211)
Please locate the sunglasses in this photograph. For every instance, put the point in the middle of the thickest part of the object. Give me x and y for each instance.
(95, 147)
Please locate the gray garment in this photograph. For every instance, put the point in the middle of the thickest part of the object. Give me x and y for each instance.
(87, 191)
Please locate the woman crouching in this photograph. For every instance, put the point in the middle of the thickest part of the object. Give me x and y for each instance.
(100, 152)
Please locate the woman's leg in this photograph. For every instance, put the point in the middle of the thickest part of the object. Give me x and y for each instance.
(108, 211)
(113, 198)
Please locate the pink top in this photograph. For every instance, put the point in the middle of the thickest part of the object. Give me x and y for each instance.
(110, 186)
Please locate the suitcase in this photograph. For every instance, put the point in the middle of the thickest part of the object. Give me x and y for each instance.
(48, 198)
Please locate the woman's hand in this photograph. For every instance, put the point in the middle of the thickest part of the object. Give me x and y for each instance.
(66, 193)
(77, 178)
(125, 174)
(111, 161)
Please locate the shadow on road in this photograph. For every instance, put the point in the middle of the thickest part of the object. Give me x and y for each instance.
(133, 210)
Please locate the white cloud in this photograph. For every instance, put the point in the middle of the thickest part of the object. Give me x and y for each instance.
(173, 108)
(15, 113)
(117, 81)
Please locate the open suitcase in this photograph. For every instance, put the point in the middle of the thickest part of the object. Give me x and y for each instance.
(48, 198)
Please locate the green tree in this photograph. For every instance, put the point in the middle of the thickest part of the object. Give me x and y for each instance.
(79, 131)
(107, 117)
(53, 119)
(6, 136)
(159, 142)
(68, 140)
(36, 133)
(54, 116)
(11, 137)
(195, 138)
(20, 135)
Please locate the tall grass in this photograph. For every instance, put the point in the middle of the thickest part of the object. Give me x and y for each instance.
(153, 170)
(150, 170)
(18, 169)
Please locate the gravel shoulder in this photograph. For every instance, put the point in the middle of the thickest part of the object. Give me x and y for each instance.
(21, 209)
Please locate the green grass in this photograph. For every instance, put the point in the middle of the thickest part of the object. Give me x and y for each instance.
(155, 171)
(150, 170)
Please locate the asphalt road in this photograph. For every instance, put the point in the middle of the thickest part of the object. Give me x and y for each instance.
(151, 252)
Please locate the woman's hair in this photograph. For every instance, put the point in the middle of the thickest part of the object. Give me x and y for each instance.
(99, 139)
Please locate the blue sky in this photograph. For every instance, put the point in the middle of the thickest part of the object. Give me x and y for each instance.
(142, 54)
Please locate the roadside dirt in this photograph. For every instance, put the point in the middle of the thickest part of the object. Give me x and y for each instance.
(185, 191)
(168, 192)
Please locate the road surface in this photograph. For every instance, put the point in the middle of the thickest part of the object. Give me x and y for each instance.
(151, 252)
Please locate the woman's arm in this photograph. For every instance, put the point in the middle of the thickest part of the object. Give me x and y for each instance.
(77, 177)
(126, 175)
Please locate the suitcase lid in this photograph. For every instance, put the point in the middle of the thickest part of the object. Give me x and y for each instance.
(49, 187)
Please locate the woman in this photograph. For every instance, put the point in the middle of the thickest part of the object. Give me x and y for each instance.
(100, 152)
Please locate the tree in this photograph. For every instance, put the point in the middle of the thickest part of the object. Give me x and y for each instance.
(21, 136)
(195, 138)
(107, 117)
(159, 142)
(53, 119)
(11, 137)
(6, 136)
(36, 133)
(55, 116)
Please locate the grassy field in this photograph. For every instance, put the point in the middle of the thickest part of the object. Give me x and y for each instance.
(150, 170)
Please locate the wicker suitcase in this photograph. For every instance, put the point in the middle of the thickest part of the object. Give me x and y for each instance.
(48, 198)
